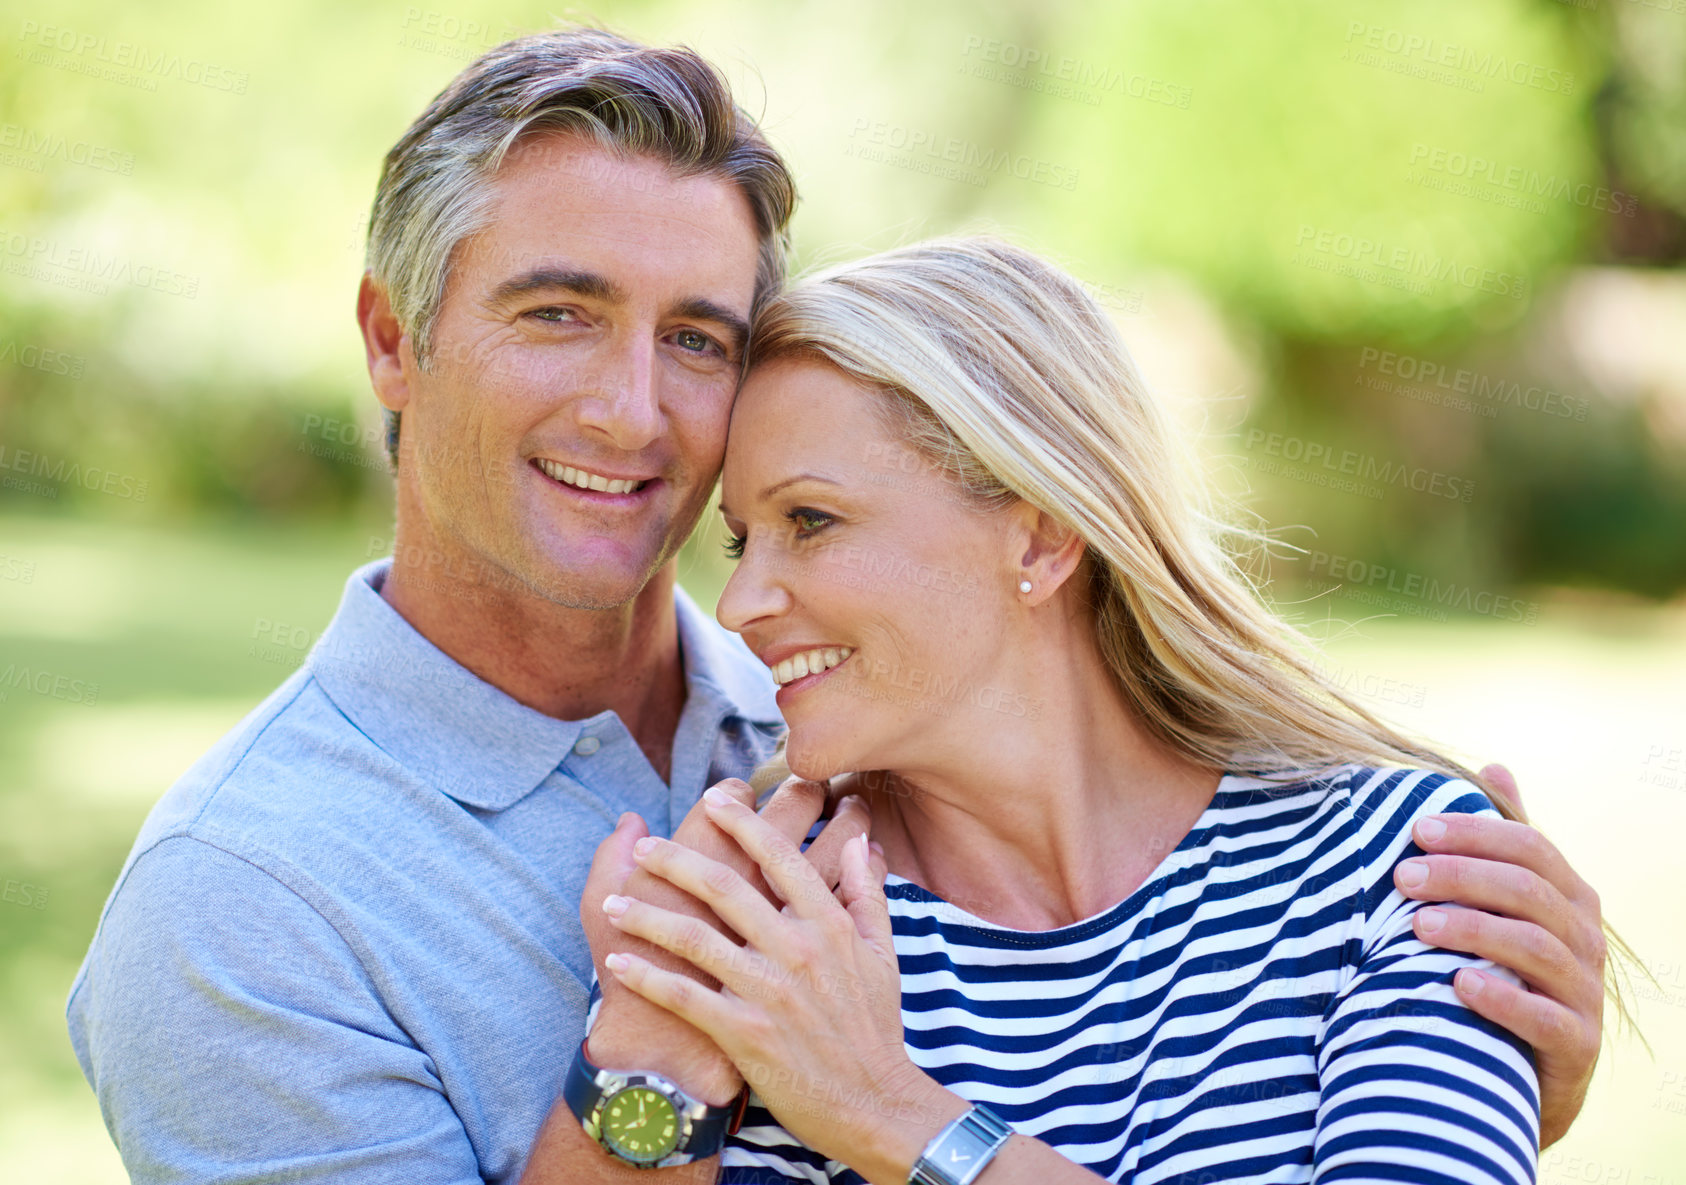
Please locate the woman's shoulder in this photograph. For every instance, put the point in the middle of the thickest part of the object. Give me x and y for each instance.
(1372, 809)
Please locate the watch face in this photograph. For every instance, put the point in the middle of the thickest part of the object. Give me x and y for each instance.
(640, 1124)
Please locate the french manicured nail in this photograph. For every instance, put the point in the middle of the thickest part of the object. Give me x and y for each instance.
(715, 796)
(1413, 873)
(1431, 920)
(1430, 830)
(614, 905)
(644, 846)
(1470, 983)
(617, 962)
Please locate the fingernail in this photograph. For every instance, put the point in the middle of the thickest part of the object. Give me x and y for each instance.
(1413, 873)
(614, 905)
(715, 796)
(1431, 920)
(644, 846)
(1470, 983)
(617, 962)
(625, 817)
(1430, 830)
(877, 847)
(866, 852)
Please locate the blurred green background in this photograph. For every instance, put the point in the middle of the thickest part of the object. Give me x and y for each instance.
(1411, 274)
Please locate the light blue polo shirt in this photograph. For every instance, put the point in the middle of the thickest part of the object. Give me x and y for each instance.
(346, 946)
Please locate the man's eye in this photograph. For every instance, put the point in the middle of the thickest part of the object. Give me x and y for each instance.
(554, 315)
(692, 341)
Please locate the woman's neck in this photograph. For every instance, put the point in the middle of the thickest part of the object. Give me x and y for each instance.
(1042, 821)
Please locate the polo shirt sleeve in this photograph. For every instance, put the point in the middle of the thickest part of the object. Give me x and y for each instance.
(232, 1036)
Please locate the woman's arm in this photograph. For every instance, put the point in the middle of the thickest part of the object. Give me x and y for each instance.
(1527, 910)
(810, 1007)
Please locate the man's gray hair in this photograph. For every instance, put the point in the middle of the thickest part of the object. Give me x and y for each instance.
(435, 190)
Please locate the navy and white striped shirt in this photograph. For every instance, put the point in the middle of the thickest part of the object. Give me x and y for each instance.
(1258, 1010)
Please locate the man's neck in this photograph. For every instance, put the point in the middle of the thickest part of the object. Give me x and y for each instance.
(565, 662)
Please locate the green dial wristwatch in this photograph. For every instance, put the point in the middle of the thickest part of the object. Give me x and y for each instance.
(644, 1119)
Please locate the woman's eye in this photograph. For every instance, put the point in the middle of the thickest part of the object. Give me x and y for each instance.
(692, 341)
(808, 521)
(734, 546)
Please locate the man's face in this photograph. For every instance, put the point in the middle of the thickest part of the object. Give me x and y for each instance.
(589, 336)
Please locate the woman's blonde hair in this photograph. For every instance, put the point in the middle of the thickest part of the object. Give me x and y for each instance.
(1003, 372)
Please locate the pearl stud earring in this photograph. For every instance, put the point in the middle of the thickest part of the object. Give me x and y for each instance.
(1024, 586)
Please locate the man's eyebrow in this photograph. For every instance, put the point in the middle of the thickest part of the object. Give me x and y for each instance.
(550, 279)
(700, 308)
(779, 485)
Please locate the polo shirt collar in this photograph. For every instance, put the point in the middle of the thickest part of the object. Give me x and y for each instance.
(465, 736)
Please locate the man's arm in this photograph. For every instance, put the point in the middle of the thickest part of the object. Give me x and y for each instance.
(632, 1033)
(231, 1034)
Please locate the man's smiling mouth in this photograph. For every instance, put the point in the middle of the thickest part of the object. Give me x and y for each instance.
(584, 480)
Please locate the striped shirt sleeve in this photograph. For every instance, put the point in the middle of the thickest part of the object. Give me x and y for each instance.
(1415, 1086)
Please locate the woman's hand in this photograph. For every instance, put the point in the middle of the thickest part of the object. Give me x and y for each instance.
(1529, 911)
(810, 1006)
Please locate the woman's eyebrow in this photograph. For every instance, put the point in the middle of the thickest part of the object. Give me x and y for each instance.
(779, 485)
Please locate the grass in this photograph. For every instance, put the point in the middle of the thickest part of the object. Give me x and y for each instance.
(185, 629)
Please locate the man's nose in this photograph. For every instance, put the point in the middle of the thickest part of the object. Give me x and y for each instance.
(620, 400)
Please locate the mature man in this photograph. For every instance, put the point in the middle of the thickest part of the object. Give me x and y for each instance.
(347, 945)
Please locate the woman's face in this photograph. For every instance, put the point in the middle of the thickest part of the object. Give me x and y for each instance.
(896, 590)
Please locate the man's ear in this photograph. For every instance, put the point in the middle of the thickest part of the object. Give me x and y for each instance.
(1048, 552)
(385, 345)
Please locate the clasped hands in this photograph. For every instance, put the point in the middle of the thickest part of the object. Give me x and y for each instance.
(729, 954)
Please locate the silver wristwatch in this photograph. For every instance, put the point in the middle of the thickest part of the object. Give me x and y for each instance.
(961, 1150)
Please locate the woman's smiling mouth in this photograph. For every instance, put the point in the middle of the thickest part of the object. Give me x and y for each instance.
(807, 663)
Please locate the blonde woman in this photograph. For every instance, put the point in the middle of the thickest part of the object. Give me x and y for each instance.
(1175, 951)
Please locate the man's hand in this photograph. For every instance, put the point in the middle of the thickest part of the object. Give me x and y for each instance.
(631, 1032)
(1528, 911)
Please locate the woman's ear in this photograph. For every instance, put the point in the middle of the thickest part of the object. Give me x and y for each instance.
(1048, 552)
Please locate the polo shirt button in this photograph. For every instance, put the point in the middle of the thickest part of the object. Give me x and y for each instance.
(586, 746)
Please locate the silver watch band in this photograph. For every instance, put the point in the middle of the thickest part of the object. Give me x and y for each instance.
(961, 1150)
